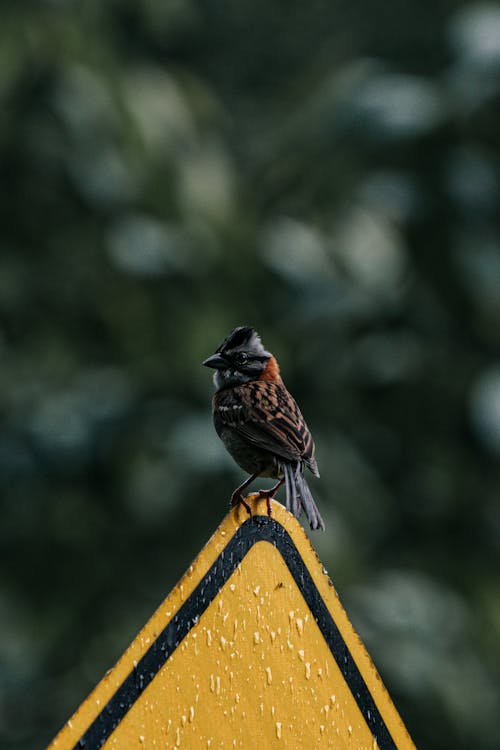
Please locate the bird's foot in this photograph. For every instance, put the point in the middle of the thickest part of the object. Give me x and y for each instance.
(269, 494)
(237, 498)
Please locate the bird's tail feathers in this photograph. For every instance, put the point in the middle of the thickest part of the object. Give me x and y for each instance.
(298, 495)
(292, 498)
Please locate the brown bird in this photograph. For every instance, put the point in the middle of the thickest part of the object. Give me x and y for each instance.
(260, 424)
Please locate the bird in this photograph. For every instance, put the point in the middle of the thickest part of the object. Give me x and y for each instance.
(260, 423)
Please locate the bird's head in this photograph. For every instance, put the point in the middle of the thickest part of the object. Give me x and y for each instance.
(241, 358)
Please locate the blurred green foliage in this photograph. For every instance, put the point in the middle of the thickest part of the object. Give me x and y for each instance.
(327, 172)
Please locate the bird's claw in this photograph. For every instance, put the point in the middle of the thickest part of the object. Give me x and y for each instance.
(237, 498)
(268, 494)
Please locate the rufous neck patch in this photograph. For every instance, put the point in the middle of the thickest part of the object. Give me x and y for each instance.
(271, 370)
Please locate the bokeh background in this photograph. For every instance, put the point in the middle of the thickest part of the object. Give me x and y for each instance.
(325, 171)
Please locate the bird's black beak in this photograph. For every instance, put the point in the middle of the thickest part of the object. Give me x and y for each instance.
(216, 361)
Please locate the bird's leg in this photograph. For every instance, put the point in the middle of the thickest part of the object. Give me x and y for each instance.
(237, 496)
(268, 494)
(272, 490)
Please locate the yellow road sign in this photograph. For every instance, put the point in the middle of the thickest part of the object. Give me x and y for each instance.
(251, 649)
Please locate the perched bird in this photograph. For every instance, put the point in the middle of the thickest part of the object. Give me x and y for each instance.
(260, 424)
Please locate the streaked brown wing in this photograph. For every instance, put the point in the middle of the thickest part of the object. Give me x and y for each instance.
(266, 415)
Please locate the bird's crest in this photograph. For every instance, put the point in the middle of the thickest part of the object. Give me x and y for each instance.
(243, 338)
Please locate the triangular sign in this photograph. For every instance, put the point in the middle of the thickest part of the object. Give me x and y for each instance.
(251, 649)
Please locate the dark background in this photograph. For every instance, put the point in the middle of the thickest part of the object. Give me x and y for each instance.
(325, 171)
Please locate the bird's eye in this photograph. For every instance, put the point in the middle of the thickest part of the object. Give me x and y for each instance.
(241, 358)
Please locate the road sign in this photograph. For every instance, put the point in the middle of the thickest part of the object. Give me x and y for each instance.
(251, 649)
